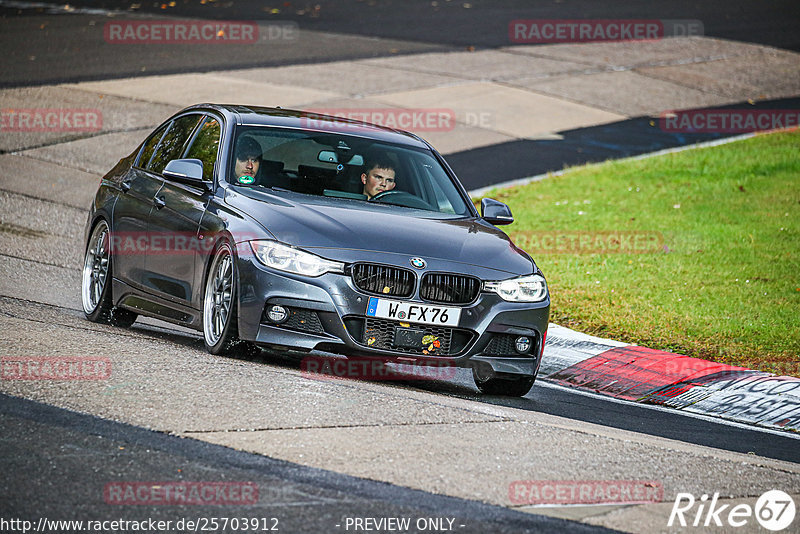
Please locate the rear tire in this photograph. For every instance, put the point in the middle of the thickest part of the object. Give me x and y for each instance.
(98, 302)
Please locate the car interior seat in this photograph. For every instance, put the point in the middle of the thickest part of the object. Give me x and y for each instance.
(271, 175)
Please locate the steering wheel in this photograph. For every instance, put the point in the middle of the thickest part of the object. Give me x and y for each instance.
(401, 198)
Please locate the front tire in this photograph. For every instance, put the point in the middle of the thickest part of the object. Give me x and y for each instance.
(96, 297)
(220, 325)
(503, 384)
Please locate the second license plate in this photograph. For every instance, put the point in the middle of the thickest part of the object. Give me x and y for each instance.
(412, 312)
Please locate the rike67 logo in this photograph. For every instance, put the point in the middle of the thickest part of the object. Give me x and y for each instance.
(774, 510)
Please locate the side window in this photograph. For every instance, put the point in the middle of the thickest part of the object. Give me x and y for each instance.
(149, 146)
(205, 146)
(174, 142)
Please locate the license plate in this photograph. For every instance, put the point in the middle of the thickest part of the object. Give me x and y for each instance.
(408, 337)
(412, 312)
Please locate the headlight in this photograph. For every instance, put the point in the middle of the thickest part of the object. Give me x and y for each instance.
(531, 288)
(285, 258)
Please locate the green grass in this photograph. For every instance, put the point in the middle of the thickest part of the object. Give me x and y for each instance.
(725, 285)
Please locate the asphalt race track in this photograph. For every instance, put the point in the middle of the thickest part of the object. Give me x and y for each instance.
(396, 26)
(323, 452)
(294, 498)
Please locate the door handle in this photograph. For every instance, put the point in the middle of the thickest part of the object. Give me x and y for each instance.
(125, 185)
(159, 202)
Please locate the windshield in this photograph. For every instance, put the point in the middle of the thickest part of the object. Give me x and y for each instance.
(342, 166)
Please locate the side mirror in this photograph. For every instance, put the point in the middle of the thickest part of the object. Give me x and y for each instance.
(189, 171)
(495, 212)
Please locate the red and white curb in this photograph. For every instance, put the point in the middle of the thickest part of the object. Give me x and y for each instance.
(657, 377)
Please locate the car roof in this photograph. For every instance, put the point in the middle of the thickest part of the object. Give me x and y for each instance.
(305, 120)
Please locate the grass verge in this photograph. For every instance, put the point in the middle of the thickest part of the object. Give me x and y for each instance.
(696, 252)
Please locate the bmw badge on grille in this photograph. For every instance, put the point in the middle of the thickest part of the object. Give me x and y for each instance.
(419, 263)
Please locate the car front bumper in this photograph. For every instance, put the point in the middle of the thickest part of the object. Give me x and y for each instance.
(328, 313)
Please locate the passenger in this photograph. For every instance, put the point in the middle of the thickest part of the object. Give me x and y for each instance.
(248, 161)
(378, 176)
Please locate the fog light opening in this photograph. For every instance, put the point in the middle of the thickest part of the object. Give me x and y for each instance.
(277, 314)
(523, 344)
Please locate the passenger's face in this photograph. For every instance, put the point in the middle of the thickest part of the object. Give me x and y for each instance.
(247, 166)
(377, 181)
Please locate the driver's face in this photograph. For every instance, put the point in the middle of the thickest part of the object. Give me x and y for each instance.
(377, 181)
(247, 165)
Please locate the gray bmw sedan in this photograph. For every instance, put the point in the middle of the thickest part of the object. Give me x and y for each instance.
(291, 231)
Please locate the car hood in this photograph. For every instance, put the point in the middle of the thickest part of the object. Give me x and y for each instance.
(343, 226)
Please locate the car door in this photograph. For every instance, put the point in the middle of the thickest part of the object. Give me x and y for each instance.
(175, 221)
(131, 212)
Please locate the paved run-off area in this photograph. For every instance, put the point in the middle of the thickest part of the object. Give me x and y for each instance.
(491, 97)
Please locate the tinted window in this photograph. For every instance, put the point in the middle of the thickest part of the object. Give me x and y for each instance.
(343, 167)
(205, 146)
(174, 142)
(149, 146)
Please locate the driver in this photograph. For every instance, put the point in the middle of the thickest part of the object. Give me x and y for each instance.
(378, 176)
(248, 160)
